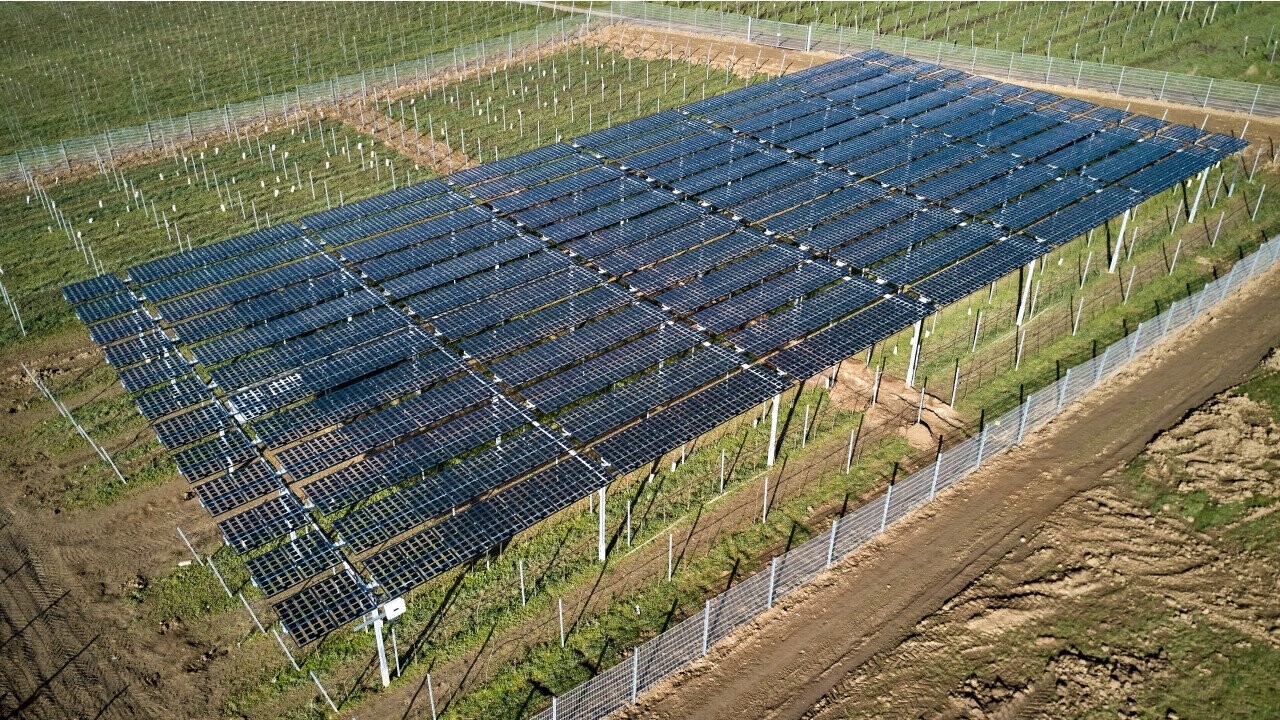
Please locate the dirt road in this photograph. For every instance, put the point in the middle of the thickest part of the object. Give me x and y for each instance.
(784, 665)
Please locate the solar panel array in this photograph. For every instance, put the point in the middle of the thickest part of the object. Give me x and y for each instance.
(436, 369)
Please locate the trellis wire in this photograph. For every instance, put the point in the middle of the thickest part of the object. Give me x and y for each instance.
(663, 655)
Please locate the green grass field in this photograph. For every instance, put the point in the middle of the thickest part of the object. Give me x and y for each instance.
(79, 69)
(1206, 38)
(558, 97)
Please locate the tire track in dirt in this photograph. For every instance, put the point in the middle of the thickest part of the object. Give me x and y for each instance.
(52, 663)
(786, 663)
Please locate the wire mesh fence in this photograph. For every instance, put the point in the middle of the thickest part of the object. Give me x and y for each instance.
(660, 657)
(162, 133)
(1138, 83)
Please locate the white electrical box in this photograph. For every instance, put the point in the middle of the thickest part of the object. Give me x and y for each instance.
(393, 609)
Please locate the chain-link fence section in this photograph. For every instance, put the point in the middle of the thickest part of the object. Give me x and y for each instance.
(161, 134)
(1137, 83)
(663, 655)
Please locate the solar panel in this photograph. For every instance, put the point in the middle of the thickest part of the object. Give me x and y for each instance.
(283, 301)
(593, 375)
(808, 315)
(978, 270)
(508, 304)
(217, 454)
(195, 424)
(239, 486)
(295, 353)
(897, 237)
(696, 261)
(736, 311)
(576, 345)
(442, 226)
(107, 306)
(296, 560)
(229, 269)
(385, 518)
(153, 372)
(338, 369)
(171, 397)
(473, 288)
(360, 436)
(634, 399)
(649, 249)
(245, 288)
(147, 345)
(510, 165)
(925, 259)
(290, 326)
(731, 278)
(92, 289)
(294, 423)
(407, 458)
(848, 337)
(559, 167)
(325, 606)
(493, 520)
(252, 528)
(373, 205)
(208, 255)
(134, 323)
(457, 268)
(602, 295)
(669, 428)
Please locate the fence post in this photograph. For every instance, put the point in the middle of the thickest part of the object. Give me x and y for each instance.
(773, 578)
(1062, 388)
(706, 625)
(982, 445)
(937, 468)
(884, 514)
(831, 542)
(1022, 419)
(635, 672)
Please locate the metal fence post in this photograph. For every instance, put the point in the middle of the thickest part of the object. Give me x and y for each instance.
(831, 541)
(1062, 388)
(706, 625)
(937, 468)
(773, 577)
(884, 514)
(635, 672)
(982, 446)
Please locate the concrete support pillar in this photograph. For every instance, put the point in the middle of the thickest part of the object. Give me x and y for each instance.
(1195, 204)
(1115, 254)
(773, 432)
(915, 353)
(1025, 296)
(600, 543)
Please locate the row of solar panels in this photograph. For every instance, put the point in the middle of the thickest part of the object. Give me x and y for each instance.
(557, 337)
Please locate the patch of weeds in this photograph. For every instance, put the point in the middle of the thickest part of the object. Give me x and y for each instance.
(193, 591)
(1264, 389)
